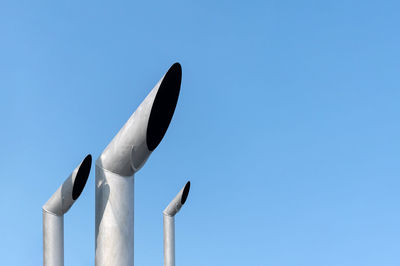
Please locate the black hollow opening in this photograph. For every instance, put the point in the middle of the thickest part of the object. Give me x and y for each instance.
(81, 177)
(185, 193)
(164, 106)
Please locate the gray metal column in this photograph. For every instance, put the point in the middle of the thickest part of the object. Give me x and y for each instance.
(121, 159)
(169, 224)
(53, 239)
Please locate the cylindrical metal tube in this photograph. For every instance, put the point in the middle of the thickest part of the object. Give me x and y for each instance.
(53, 239)
(169, 240)
(169, 224)
(114, 219)
(121, 159)
(176, 204)
(55, 208)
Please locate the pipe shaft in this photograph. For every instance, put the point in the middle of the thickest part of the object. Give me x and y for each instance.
(114, 219)
(169, 240)
(53, 239)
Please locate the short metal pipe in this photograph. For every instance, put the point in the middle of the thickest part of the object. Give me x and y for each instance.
(169, 224)
(54, 210)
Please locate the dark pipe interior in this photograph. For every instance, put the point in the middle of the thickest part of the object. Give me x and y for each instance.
(185, 193)
(81, 177)
(164, 106)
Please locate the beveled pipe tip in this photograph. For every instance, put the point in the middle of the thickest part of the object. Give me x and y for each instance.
(185, 193)
(65, 196)
(164, 106)
(176, 204)
(142, 133)
(81, 177)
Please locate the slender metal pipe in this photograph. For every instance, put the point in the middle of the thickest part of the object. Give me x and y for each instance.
(121, 159)
(169, 224)
(54, 210)
(53, 239)
(169, 240)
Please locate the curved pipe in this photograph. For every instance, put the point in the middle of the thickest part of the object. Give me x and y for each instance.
(145, 129)
(54, 210)
(121, 159)
(169, 224)
(176, 204)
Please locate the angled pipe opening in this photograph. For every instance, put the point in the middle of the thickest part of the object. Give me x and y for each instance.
(164, 106)
(81, 177)
(185, 192)
(176, 204)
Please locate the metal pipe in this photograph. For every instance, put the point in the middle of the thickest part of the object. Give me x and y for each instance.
(121, 159)
(54, 210)
(53, 239)
(169, 240)
(169, 224)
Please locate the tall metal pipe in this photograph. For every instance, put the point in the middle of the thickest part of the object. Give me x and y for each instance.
(169, 224)
(54, 210)
(116, 166)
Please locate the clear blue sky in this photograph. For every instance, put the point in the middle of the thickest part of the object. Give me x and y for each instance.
(287, 126)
